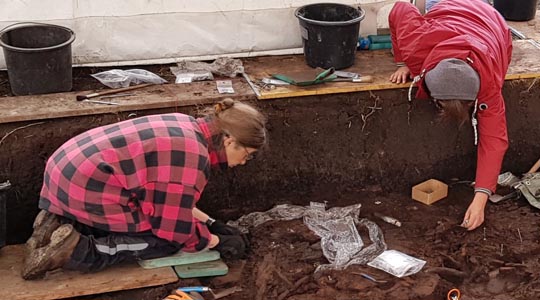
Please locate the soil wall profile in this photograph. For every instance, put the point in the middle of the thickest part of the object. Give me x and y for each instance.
(318, 144)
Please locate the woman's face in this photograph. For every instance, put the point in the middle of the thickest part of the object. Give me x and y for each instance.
(237, 154)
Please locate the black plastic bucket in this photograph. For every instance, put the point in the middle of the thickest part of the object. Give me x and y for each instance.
(329, 34)
(516, 10)
(4, 187)
(38, 57)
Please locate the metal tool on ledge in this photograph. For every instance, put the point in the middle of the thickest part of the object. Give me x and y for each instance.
(109, 92)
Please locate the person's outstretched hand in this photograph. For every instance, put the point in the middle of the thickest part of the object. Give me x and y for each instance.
(401, 75)
(474, 216)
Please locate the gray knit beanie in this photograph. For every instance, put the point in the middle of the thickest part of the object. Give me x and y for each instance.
(453, 79)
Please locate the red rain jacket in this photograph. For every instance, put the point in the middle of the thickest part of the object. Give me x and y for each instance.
(473, 31)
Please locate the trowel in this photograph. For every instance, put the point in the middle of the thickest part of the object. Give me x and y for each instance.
(203, 289)
(318, 75)
(307, 77)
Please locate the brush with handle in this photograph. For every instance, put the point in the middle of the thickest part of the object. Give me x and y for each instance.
(108, 92)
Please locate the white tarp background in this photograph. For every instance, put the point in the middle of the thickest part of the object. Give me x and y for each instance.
(123, 32)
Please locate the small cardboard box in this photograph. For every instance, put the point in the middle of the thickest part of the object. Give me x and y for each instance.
(429, 191)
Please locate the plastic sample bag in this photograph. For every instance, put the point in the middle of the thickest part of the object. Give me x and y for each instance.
(397, 263)
(282, 212)
(188, 71)
(223, 66)
(117, 78)
(340, 241)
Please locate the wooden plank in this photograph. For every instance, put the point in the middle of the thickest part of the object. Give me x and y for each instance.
(531, 29)
(36, 107)
(525, 60)
(379, 64)
(66, 284)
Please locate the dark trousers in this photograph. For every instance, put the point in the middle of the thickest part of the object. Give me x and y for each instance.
(98, 249)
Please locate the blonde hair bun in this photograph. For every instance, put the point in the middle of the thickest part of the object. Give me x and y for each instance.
(223, 105)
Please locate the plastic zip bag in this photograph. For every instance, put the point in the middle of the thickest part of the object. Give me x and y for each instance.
(222, 66)
(397, 263)
(117, 78)
(191, 72)
(340, 241)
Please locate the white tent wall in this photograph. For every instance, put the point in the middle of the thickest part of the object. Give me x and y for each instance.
(129, 32)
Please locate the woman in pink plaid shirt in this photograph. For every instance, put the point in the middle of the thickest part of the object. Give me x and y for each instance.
(128, 191)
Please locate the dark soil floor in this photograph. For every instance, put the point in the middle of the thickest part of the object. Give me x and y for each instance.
(499, 260)
(496, 261)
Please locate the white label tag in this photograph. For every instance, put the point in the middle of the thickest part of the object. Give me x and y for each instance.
(184, 78)
(225, 87)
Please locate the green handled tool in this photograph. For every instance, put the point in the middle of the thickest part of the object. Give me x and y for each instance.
(306, 78)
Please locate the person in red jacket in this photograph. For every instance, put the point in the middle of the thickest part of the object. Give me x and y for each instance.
(458, 53)
(129, 190)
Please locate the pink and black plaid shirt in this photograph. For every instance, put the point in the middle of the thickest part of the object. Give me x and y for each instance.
(137, 175)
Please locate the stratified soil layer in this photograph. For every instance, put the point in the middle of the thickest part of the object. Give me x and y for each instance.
(351, 148)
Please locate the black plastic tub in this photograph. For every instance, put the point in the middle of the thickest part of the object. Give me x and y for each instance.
(516, 10)
(38, 58)
(3, 204)
(329, 34)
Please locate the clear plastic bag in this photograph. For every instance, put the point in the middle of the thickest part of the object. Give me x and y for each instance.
(340, 241)
(397, 263)
(226, 66)
(117, 78)
(223, 66)
(283, 212)
(190, 72)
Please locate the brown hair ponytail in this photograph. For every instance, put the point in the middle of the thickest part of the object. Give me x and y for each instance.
(459, 110)
(241, 121)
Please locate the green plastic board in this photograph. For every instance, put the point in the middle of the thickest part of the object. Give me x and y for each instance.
(204, 269)
(180, 258)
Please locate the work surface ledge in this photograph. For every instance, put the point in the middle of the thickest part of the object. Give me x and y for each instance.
(379, 64)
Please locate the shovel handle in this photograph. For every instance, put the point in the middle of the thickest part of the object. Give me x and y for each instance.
(367, 78)
(535, 167)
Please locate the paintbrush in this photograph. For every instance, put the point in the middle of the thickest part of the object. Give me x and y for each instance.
(108, 92)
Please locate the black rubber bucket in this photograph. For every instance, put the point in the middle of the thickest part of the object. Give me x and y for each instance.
(329, 34)
(516, 10)
(4, 187)
(38, 57)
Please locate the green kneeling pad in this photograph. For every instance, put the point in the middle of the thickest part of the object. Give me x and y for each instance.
(202, 269)
(180, 258)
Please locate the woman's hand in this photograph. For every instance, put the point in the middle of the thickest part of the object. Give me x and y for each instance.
(214, 241)
(401, 75)
(474, 216)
